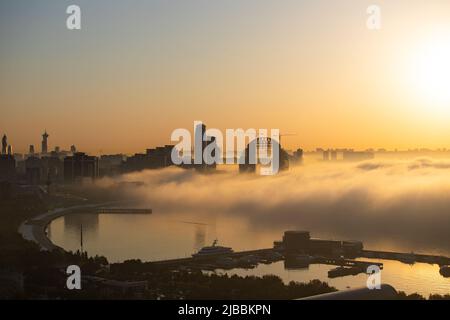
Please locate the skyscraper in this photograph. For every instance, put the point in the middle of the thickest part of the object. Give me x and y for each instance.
(45, 142)
(80, 166)
(4, 144)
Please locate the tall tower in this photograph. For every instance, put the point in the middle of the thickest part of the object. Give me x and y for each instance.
(4, 144)
(44, 142)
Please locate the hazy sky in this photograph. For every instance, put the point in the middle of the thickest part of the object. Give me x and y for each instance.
(139, 69)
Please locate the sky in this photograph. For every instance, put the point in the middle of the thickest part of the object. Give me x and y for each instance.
(139, 69)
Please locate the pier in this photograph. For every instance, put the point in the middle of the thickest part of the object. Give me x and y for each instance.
(124, 210)
(409, 258)
(347, 262)
(262, 254)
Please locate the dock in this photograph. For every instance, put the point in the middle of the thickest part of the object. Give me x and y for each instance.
(262, 253)
(347, 262)
(409, 258)
(124, 210)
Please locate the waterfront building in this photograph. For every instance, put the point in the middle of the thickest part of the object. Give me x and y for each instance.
(80, 166)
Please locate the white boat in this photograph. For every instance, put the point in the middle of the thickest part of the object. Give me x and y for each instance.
(212, 251)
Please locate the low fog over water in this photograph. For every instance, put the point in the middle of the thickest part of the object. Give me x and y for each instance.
(389, 204)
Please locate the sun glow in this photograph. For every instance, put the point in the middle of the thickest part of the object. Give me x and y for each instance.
(431, 73)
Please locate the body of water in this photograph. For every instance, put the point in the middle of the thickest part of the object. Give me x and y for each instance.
(162, 236)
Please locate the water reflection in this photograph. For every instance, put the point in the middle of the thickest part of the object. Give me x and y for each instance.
(90, 223)
(200, 237)
(175, 235)
(421, 277)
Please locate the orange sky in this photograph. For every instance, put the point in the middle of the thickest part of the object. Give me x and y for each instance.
(136, 72)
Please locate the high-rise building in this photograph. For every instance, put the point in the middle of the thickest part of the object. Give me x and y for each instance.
(200, 130)
(45, 136)
(33, 170)
(80, 166)
(52, 168)
(7, 168)
(159, 157)
(31, 150)
(199, 153)
(4, 144)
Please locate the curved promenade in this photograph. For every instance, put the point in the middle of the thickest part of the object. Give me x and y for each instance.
(34, 229)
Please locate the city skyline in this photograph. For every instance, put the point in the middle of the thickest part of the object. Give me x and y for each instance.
(297, 67)
(31, 148)
(224, 150)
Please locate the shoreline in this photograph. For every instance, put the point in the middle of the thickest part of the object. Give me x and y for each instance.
(34, 229)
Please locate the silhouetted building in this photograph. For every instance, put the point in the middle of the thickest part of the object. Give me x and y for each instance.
(7, 168)
(357, 155)
(249, 164)
(156, 158)
(297, 156)
(6, 190)
(199, 154)
(31, 150)
(33, 170)
(44, 148)
(204, 166)
(326, 155)
(300, 242)
(4, 144)
(52, 168)
(80, 166)
(296, 241)
(110, 164)
(252, 154)
(160, 157)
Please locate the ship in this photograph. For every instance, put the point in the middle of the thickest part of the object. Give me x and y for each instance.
(212, 251)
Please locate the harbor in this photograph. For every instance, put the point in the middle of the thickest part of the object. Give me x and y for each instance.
(167, 243)
(298, 251)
